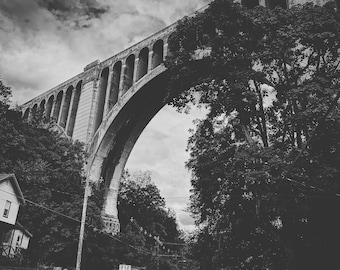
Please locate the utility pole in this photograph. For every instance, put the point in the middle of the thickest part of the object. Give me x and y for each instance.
(82, 224)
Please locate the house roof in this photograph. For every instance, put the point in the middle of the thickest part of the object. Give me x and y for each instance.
(11, 177)
(22, 228)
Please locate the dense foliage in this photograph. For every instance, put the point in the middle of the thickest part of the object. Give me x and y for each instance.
(49, 168)
(141, 208)
(270, 81)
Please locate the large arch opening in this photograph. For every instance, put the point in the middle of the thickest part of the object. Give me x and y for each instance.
(101, 97)
(115, 144)
(160, 149)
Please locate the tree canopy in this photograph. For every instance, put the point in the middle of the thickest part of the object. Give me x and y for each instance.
(265, 160)
(49, 168)
(142, 209)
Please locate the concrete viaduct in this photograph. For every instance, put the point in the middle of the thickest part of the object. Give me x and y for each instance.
(108, 105)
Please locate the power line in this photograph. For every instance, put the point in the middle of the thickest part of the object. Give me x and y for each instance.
(74, 219)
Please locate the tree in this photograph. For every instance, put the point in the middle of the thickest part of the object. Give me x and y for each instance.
(140, 206)
(269, 79)
(49, 169)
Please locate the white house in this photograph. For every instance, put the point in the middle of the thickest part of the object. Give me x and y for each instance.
(15, 240)
(13, 236)
(10, 199)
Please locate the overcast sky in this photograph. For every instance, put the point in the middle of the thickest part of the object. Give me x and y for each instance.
(45, 42)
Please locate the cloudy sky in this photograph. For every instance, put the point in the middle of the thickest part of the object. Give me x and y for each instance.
(45, 42)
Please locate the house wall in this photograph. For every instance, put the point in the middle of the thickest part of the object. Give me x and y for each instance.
(7, 193)
(25, 241)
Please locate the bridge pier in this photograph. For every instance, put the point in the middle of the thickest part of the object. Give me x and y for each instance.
(111, 224)
(110, 212)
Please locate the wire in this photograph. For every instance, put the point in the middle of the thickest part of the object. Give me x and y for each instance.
(54, 190)
(312, 187)
(76, 220)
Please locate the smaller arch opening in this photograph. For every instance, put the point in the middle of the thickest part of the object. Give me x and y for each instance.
(113, 98)
(26, 114)
(57, 105)
(49, 106)
(74, 109)
(143, 63)
(157, 56)
(34, 111)
(128, 73)
(42, 107)
(101, 97)
(66, 107)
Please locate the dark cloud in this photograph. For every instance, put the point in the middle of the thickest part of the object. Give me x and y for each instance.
(76, 13)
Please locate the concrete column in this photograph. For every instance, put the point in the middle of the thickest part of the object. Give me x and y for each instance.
(150, 61)
(110, 203)
(30, 115)
(108, 91)
(122, 79)
(165, 49)
(110, 211)
(67, 124)
(135, 70)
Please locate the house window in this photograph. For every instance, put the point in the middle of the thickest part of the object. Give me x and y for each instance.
(19, 241)
(7, 208)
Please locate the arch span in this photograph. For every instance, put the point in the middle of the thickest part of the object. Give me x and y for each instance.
(115, 138)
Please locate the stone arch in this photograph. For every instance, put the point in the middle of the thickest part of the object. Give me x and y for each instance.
(57, 105)
(143, 63)
(34, 111)
(26, 113)
(66, 107)
(112, 144)
(49, 106)
(157, 56)
(74, 109)
(42, 107)
(116, 72)
(128, 73)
